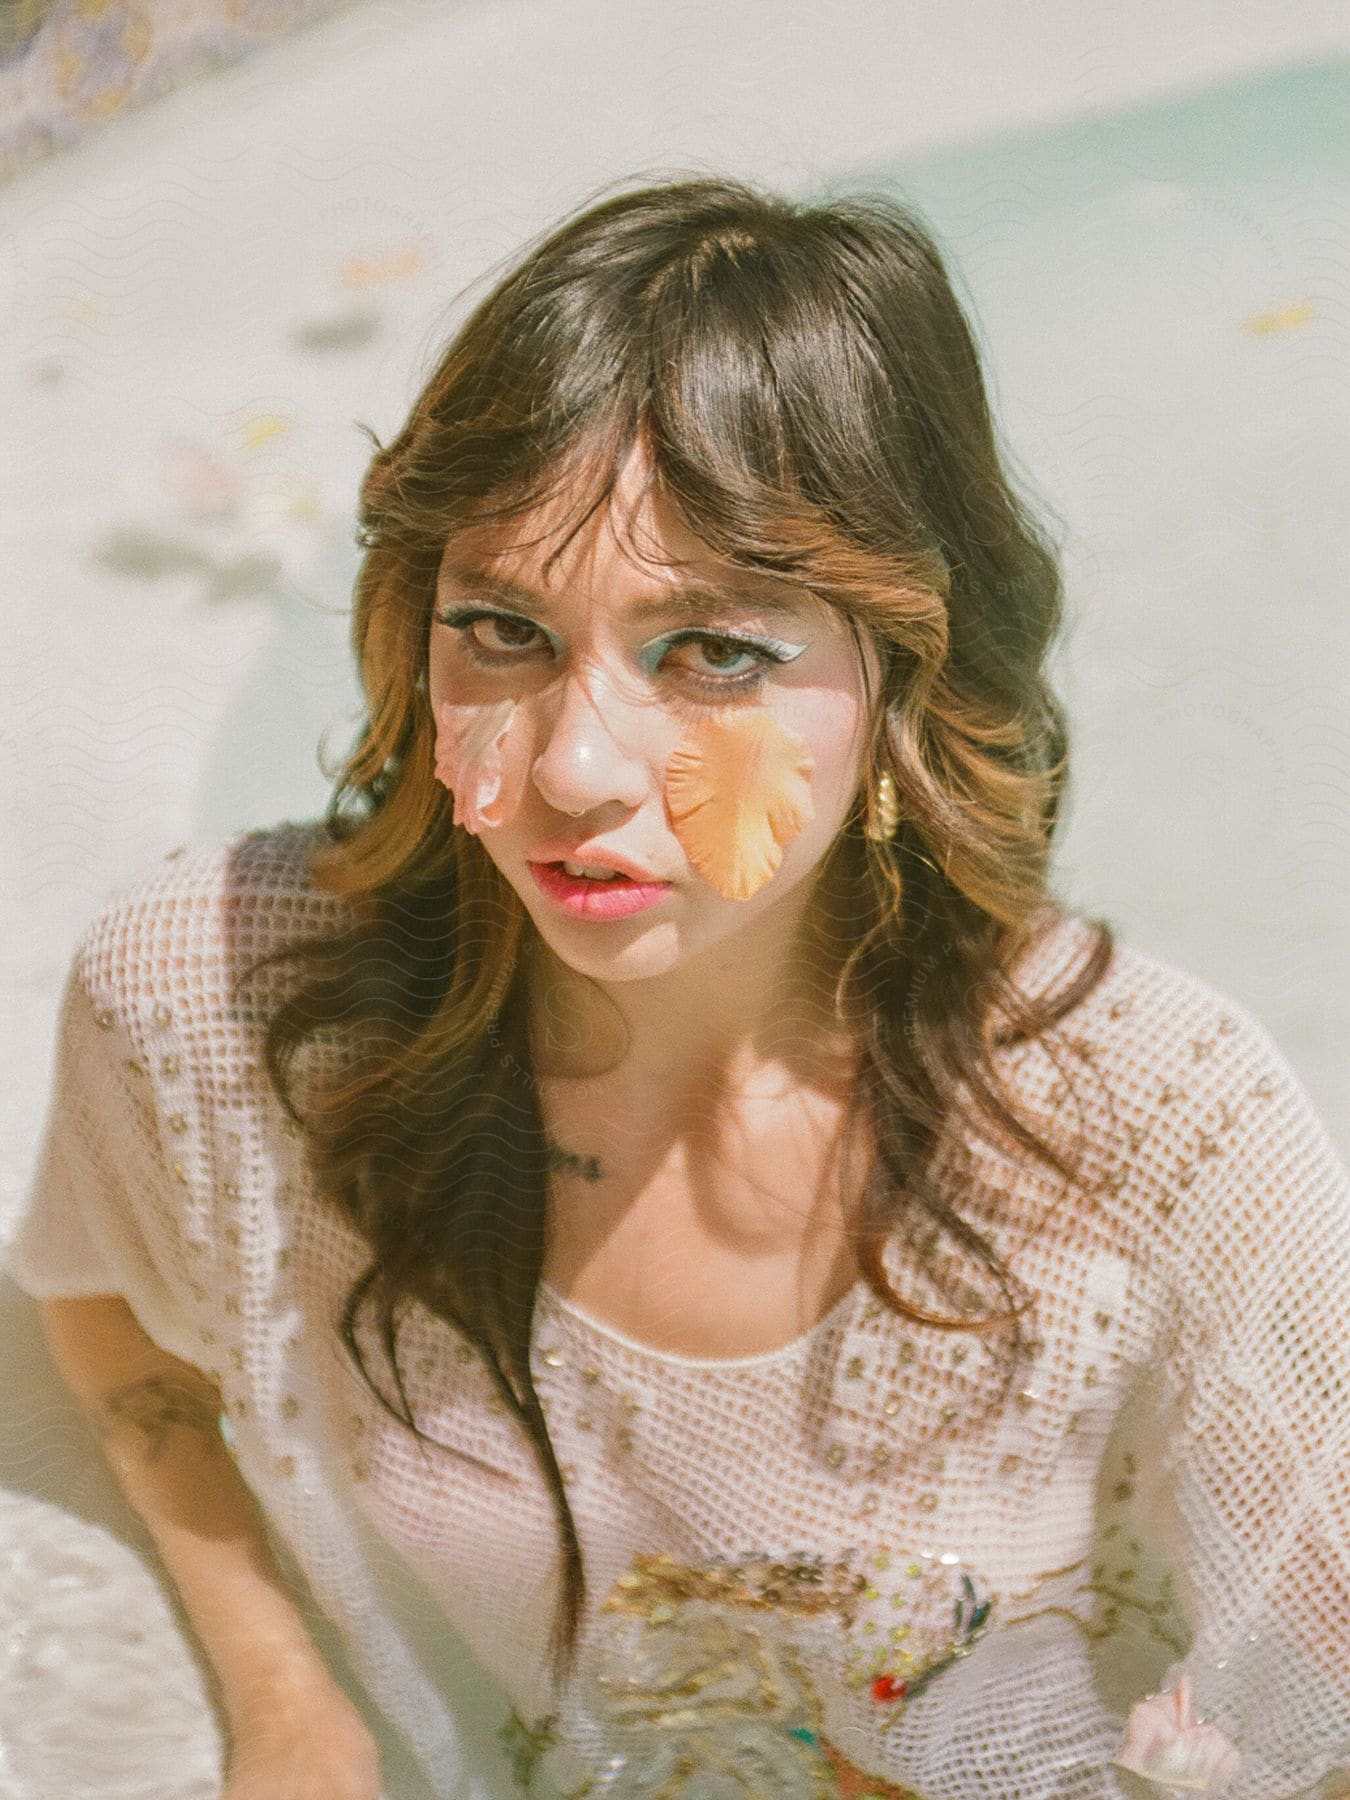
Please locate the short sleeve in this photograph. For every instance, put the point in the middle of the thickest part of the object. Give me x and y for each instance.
(100, 1213)
(1247, 1456)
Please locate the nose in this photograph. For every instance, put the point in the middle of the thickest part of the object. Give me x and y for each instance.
(583, 766)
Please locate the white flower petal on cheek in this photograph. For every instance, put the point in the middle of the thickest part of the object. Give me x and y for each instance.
(469, 761)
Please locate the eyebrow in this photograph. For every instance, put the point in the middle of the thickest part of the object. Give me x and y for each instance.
(695, 599)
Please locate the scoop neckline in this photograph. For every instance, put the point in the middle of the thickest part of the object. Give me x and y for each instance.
(650, 1353)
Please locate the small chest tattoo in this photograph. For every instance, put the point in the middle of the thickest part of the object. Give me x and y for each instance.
(571, 1162)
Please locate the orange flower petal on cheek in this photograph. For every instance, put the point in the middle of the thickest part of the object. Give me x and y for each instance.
(487, 784)
(738, 789)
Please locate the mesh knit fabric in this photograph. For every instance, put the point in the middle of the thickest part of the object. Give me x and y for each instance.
(834, 1568)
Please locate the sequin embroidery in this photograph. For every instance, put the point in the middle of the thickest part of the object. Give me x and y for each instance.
(700, 1676)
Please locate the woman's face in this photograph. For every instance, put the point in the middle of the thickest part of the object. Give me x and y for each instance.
(601, 716)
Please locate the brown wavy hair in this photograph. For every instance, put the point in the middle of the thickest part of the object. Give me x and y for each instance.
(811, 399)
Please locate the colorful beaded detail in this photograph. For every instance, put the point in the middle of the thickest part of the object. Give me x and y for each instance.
(699, 1673)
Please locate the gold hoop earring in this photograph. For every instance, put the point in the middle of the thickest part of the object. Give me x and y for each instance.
(884, 815)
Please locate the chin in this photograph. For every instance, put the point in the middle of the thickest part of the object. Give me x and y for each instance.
(647, 954)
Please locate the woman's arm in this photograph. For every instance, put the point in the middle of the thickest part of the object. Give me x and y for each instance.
(158, 1422)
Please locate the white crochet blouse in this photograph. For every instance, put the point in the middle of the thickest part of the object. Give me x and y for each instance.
(809, 1574)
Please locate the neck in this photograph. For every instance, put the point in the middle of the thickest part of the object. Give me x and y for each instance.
(748, 1015)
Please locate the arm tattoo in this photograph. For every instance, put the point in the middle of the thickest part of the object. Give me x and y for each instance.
(158, 1403)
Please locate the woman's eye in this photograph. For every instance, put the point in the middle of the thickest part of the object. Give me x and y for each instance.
(488, 637)
(491, 633)
(724, 659)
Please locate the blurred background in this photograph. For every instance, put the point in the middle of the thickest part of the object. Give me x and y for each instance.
(230, 230)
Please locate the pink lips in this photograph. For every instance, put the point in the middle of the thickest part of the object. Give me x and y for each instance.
(587, 899)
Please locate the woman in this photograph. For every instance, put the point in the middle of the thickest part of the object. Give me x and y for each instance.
(814, 1315)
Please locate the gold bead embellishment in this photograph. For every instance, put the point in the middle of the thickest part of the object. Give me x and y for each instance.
(231, 1190)
(880, 1456)
(105, 1019)
(855, 1368)
(1010, 1465)
(181, 1173)
(1090, 1376)
(1103, 1320)
(553, 1358)
(590, 1376)
(835, 1455)
(135, 1066)
(950, 1414)
(162, 1015)
(929, 1502)
(168, 1065)
(883, 813)
(892, 1406)
(1027, 1398)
